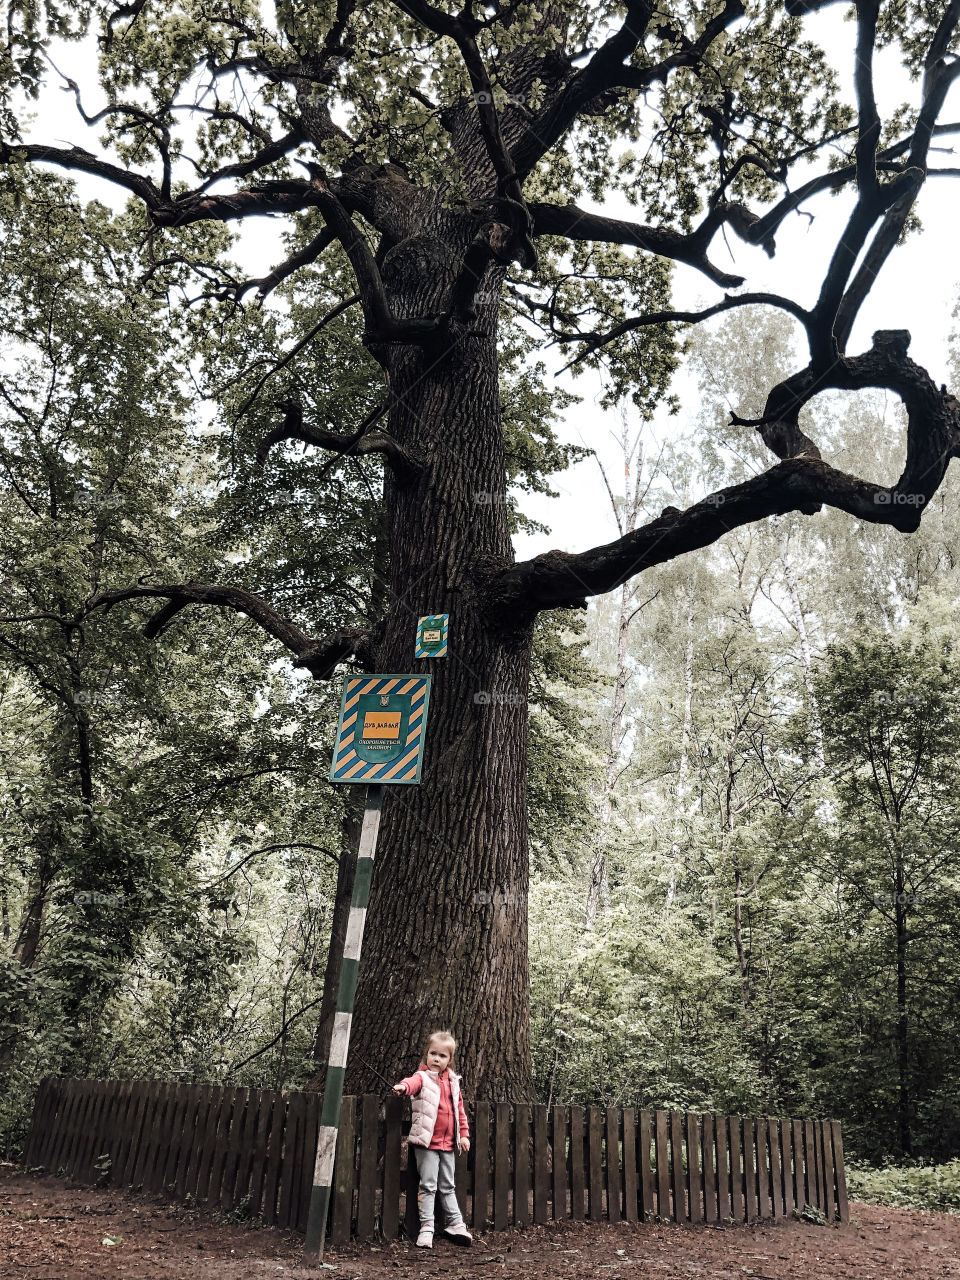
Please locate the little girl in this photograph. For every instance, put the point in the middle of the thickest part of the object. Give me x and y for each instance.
(439, 1124)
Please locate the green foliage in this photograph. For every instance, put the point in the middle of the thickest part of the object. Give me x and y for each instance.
(935, 1188)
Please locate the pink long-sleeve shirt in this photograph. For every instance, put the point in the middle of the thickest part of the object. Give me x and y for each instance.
(443, 1131)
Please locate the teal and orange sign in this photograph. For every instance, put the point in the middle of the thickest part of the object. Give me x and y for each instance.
(381, 731)
(432, 636)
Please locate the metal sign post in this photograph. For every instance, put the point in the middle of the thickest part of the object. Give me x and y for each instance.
(380, 738)
(340, 1040)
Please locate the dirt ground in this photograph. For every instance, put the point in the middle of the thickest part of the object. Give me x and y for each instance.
(55, 1230)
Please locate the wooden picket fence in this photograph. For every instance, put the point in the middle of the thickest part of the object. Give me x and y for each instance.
(251, 1152)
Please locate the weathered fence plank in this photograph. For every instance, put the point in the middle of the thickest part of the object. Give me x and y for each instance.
(541, 1157)
(677, 1179)
(559, 1124)
(786, 1148)
(811, 1193)
(721, 1126)
(390, 1212)
(737, 1193)
(630, 1197)
(367, 1184)
(825, 1151)
(481, 1164)
(613, 1164)
(708, 1148)
(749, 1170)
(648, 1208)
(343, 1170)
(776, 1167)
(595, 1162)
(578, 1184)
(521, 1164)
(694, 1176)
(501, 1166)
(843, 1208)
(764, 1203)
(286, 1203)
(661, 1119)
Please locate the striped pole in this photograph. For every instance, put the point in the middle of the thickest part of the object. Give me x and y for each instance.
(340, 1040)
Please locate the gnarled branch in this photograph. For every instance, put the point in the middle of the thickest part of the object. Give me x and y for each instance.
(405, 465)
(319, 657)
(594, 341)
(802, 481)
(606, 70)
(577, 224)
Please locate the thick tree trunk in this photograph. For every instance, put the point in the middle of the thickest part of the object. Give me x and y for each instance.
(446, 933)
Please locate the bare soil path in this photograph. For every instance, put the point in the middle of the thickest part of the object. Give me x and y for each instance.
(54, 1230)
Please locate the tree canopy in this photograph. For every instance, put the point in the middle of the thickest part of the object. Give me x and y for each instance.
(428, 162)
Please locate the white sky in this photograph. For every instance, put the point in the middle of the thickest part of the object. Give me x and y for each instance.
(916, 291)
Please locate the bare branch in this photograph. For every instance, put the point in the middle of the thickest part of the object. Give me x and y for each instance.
(273, 150)
(295, 350)
(84, 162)
(319, 657)
(302, 258)
(405, 464)
(606, 71)
(868, 138)
(594, 341)
(801, 482)
(577, 224)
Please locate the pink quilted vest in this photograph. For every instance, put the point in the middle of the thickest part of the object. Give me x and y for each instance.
(425, 1105)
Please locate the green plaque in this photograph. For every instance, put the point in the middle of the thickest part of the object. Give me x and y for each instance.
(432, 636)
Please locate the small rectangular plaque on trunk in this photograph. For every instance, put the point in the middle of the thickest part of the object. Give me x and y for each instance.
(432, 636)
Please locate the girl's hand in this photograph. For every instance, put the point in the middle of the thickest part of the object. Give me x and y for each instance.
(399, 1088)
(465, 1144)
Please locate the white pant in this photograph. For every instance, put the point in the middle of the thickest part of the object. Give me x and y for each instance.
(436, 1170)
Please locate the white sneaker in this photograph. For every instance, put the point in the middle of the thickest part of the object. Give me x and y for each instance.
(459, 1234)
(425, 1238)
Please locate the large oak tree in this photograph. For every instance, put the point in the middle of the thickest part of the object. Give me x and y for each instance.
(441, 150)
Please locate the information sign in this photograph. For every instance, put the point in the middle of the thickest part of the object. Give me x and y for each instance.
(380, 734)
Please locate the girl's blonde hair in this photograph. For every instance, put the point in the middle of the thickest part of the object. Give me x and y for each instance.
(445, 1037)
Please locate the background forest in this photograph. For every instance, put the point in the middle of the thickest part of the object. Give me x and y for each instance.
(744, 801)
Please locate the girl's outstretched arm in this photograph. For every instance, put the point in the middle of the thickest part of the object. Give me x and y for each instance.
(410, 1084)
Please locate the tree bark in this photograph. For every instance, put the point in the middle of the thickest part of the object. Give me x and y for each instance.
(446, 933)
